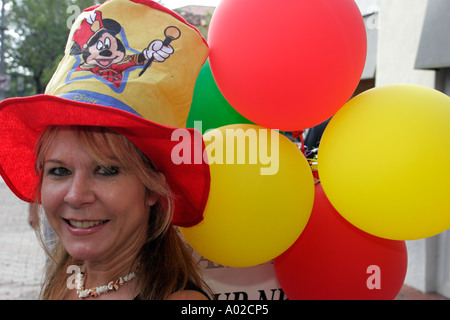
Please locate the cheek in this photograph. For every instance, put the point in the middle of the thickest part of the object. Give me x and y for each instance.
(120, 56)
(51, 197)
(92, 56)
(129, 201)
(132, 202)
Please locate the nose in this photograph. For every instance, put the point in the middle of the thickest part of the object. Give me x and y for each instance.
(80, 191)
(106, 53)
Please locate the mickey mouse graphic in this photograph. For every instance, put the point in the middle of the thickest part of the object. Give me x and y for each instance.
(105, 55)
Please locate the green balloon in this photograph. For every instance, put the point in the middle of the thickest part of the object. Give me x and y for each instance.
(209, 108)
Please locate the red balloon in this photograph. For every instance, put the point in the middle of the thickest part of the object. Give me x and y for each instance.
(288, 64)
(333, 260)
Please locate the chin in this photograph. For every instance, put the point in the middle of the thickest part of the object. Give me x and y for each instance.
(84, 251)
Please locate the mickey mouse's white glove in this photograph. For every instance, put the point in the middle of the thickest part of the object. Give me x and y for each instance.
(158, 51)
(91, 17)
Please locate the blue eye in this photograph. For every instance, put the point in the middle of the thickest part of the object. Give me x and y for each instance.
(59, 171)
(108, 171)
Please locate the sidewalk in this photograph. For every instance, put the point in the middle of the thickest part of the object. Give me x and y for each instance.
(22, 259)
(408, 293)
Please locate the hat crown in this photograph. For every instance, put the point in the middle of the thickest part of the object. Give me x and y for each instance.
(111, 45)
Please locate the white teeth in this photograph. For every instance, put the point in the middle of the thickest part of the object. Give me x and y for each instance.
(85, 224)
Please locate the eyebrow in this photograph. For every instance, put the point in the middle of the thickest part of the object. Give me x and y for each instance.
(115, 162)
(54, 161)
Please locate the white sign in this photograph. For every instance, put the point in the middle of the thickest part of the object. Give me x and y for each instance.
(251, 283)
(5, 80)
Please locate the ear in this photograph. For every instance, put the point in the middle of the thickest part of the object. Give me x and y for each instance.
(75, 50)
(152, 198)
(112, 26)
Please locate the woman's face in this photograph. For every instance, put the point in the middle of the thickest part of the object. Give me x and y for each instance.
(99, 213)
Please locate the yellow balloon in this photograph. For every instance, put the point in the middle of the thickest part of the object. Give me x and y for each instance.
(261, 196)
(384, 162)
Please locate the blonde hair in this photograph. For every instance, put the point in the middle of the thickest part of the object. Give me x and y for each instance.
(164, 264)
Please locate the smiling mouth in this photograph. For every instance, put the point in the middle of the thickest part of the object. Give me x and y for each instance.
(105, 62)
(85, 224)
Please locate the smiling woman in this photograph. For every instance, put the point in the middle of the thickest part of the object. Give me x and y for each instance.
(111, 211)
(87, 200)
(95, 156)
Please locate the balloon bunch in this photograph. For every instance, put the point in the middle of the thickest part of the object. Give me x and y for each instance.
(383, 162)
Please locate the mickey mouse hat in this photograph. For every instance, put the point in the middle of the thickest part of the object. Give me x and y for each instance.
(131, 66)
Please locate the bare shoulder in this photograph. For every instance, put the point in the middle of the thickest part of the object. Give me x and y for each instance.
(187, 295)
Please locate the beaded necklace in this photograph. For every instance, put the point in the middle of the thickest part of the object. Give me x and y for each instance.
(95, 292)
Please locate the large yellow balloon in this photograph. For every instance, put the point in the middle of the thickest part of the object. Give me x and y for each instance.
(384, 162)
(261, 197)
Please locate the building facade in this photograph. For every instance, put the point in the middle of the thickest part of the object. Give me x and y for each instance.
(409, 42)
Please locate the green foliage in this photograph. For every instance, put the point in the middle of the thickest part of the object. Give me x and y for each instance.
(37, 35)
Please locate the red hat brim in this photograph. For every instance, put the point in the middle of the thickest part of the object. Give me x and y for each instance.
(24, 119)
